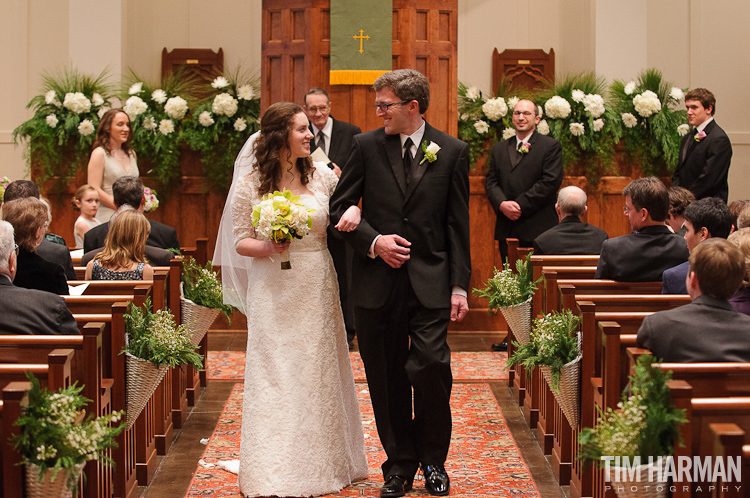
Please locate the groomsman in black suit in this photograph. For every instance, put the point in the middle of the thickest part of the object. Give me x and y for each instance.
(411, 272)
(524, 175)
(705, 152)
(571, 235)
(334, 137)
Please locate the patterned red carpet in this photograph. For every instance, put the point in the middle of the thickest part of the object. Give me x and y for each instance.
(230, 365)
(484, 460)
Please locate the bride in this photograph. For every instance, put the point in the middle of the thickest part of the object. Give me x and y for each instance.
(301, 427)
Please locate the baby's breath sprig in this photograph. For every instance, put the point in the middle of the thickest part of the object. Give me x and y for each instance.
(508, 288)
(203, 287)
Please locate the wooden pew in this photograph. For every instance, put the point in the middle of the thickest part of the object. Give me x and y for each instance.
(729, 442)
(14, 397)
(515, 252)
(199, 252)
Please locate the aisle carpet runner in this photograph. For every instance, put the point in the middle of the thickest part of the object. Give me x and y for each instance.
(483, 460)
(230, 365)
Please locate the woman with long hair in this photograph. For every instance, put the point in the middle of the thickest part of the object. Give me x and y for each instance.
(123, 256)
(301, 428)
(111, 158)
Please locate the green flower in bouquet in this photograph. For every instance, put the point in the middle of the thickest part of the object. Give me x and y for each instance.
(155, 337)
(508, 288)
(203, 287)
(54, 434)
(554, 344)
(281, 216)
(646, 422)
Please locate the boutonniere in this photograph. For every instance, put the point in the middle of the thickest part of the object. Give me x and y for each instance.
(524, 148)
(700, 136)
(430, 152)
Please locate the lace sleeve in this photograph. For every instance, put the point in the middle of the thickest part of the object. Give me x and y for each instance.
(328, 178)
(245, 198)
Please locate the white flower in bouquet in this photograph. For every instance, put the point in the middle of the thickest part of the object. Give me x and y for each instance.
(224, 104)
(97, 99)
(166, 126)
(598, 124)
(647, 103)
(135, 88)
(77, 102)
(557, 107)
(159, 96)
(220, 82)
(543, 127)
(134, 106)
(51, 120)
(151, 201)
(149, 123)
(508, 133)
(240, 124)
(629, 87)
(51, 98)
(578, 95)
(676, 93)
(176, 108)
(86, 128)
(278, 217)
(205, 119)
(473, 93)
(102, 110)
(495, 108)
(683, 130)
(629, 120)
(512, 102)
(482, 127)
(577, 129)
(594, 104)
(245, 92)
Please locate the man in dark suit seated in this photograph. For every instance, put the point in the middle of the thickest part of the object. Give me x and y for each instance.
(642, 256)
(706, 218)
(334, 138)
(28, 311)
(128, 190)
(706, 152)
(524, 175)
(571, 235)
(708, 329)
(52, 252)
(679, 199)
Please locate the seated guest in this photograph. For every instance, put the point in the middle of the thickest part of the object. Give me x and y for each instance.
(571, 235)
(743, 219)
(708, 329)
(679, 199)
(123, 257)
(48, 249)
(705, 218)
(30, 218)
(128, 190)
(735, 207)
(156, 256)
(741, 299)
(642, 256)
(28, 311)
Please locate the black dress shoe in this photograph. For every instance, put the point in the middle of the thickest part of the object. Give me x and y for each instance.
(500, 346)
(394, 486)
(436, 480)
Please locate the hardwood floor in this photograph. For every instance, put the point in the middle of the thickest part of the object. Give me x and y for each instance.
(176, 469)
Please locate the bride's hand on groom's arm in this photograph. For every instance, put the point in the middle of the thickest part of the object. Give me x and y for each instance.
(350, 219)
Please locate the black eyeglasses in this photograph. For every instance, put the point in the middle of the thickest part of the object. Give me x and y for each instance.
(15, 249)
(384, 107)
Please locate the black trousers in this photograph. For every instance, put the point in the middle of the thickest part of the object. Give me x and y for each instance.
(403, 347)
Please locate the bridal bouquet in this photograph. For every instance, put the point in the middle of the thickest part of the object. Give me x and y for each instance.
(281, 216)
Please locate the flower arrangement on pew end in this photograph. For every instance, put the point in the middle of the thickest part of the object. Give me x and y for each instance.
(511, 293)
(222, 123)
(59, 136)
(646, 423)
(56, 441)
(202, 298)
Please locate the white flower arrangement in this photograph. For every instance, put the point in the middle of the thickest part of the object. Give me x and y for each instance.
(51, 98)
(97, 99)
(543, 127)
(149, 123)
(473, 93)
(594, 105)
(647, 103)
(166, 126)
(578, 95)
(676, 93)
(86, 128)
(52, 120)
(134, 106)
(205, 119)
(630, 88)
(683, 129)
(159, 96)
(220, 82)
(629, 120)
(598, 124)
(102, 111)
(135, 88)
(482, 127)
(557, 108)
(176, 108)
(77, 102)
(245, 92)
(495, 109)
(240, 124)
(224, 104)
(509, 133)
(577, 129)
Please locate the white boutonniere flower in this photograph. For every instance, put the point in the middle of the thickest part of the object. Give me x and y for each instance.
(430, 152)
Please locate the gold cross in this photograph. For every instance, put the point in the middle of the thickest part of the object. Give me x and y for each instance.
(361, 39)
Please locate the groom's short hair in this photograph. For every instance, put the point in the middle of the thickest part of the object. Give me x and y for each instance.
(408, 85)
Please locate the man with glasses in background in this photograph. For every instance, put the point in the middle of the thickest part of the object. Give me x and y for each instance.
(522, 181)
(334, 138)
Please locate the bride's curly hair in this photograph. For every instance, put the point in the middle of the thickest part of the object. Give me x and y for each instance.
(274, 141)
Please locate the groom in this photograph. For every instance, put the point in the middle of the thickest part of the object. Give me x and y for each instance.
(410, 274)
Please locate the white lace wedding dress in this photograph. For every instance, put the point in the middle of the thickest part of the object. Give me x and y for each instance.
(301, 427)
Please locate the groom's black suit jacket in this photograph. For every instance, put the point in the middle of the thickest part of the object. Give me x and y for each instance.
(432, 213)
(532, 183)
(704, 168)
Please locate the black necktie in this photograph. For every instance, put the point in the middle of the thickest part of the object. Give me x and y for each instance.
(407, 159)
(321, 141)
